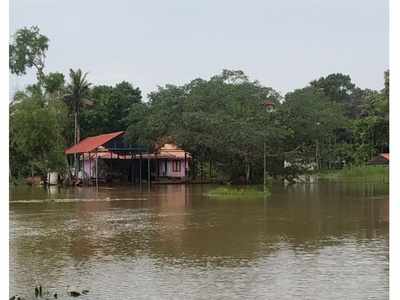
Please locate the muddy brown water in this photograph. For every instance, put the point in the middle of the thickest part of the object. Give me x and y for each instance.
(317, 241)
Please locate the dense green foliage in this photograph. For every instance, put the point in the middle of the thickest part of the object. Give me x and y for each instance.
(221, 120)
(226, 122)
(28, 50)
(328, 124)
(110, 109)
(313, 121)
(37, 127)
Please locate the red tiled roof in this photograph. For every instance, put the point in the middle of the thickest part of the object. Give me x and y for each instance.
(92, 142)
(268, 103)
(385, 155)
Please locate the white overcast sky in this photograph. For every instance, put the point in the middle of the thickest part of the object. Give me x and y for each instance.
(284, 44)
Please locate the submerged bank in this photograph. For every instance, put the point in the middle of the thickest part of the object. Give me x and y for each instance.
(371, 174)
(239, 192)
(359, 173)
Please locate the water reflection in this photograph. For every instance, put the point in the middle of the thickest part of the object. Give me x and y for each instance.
(173, 233)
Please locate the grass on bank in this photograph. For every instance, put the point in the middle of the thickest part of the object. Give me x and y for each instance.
(239, 192)
(359, 173)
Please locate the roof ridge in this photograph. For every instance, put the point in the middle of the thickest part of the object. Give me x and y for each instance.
(92, 142)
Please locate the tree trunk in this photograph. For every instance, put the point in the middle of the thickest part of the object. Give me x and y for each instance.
(76, 135)
(78, 129)
(247, 173)
(75, 127)
(75, 139)
(201, 170)
(317, 154)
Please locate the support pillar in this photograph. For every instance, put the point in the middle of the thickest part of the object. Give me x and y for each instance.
(140, 169)
(90, 170)
(79, 164)
(97, 172)
(111, 165)
(132, 173)
(157, 168)
(148, 171)
(185, 166)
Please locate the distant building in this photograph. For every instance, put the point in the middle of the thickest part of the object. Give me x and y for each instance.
(173, 162)
(381, 159)
(269, 106)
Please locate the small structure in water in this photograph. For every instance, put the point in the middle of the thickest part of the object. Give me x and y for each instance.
(107, 158)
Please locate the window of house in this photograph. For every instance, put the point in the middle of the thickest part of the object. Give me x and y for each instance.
(176, 166)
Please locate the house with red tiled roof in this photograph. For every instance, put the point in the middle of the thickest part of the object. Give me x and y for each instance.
(174, 161)
(107, 157)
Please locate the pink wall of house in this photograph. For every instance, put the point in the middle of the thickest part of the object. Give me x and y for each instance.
(170, 171)
(177, 172)
(89, 166)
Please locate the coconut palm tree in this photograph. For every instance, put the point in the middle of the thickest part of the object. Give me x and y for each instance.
(77, 91)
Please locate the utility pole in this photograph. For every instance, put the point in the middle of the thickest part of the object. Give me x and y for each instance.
(269, 108)
(317, 158)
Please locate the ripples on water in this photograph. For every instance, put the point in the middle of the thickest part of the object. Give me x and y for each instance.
(325, 241)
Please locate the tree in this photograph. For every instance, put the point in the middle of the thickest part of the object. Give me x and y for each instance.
(339, 88)
(222, 120)
(111, 107)
(36, 135)
(54, 82)
(387, 83)
(367, 130)
(77, 91)
(371, 131)
(27, 50)
(313, 120)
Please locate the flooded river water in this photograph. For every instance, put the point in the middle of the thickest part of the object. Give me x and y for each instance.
(317, 241)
